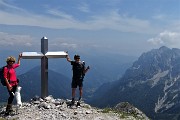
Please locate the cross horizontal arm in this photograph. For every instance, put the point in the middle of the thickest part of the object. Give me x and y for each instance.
(44, 55)
(58, 54)
(32, 55)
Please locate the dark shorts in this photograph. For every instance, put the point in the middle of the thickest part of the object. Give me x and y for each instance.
(77, 82)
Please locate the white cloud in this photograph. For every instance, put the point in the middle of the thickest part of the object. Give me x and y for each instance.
(167, 38)
(58, 19)
(61, 14)
(28, 44)
(67, 45)
(112, 20)
(160, 17)
(115, 21)
(9, 7)
(9, 40)
(84, 8)
(63, 44)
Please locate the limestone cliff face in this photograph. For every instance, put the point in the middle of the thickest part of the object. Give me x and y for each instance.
(151, 84)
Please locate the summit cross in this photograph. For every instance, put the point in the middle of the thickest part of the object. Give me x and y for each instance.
(44, 55)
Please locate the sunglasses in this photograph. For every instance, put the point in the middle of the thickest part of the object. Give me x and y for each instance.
(12, 61)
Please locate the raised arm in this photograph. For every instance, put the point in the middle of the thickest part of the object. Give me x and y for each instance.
(68, 58)
(20, 55)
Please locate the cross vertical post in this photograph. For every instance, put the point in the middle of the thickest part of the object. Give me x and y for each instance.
(44, 55)
(44, 67)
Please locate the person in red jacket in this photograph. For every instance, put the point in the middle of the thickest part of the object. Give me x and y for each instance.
(11, 79)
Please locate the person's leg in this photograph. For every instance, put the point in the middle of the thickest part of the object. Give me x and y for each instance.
(80, 93)
(8, 109)
(73, 94)
(80, 88)
(73, 86)
(80, 96)
(11, 94)
(80, 84)
(10, 100)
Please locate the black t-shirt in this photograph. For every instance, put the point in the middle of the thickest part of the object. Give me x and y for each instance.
(78, 68)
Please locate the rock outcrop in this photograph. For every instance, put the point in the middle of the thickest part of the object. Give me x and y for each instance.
(59, 109)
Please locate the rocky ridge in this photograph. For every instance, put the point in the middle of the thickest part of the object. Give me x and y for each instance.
(151, 84)
(58, 109)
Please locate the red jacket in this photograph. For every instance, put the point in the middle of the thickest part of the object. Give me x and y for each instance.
(10, 74)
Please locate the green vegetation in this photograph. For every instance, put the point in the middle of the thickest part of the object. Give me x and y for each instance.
(107, 110)
(2, 119)
(122, 114)
(110, 110)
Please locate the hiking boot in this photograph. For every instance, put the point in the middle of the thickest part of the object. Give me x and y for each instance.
(80, 99)
(72, 102)
(8, 109)
(78, 104)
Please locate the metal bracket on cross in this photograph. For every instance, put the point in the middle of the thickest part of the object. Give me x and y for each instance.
(44, 55)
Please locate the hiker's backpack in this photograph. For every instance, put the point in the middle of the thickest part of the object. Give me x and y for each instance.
(78, 69)
(3, 82)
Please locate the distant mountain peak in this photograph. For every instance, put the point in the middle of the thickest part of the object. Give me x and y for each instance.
(164, 48)
(151, 84)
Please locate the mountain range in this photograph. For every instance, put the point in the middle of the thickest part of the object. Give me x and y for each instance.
(60, 73)
(152, 84)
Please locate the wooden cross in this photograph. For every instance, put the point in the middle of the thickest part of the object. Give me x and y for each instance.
(44, 55)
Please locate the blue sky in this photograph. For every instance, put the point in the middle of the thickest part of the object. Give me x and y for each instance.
(128, 27)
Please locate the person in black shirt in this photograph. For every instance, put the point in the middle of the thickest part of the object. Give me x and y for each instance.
(79, 71)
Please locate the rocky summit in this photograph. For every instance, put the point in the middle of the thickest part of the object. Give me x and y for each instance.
(59, 109)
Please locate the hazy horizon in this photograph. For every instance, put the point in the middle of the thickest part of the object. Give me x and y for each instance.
(127, 27)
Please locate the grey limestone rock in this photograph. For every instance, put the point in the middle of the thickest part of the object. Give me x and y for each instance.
(57, 109)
